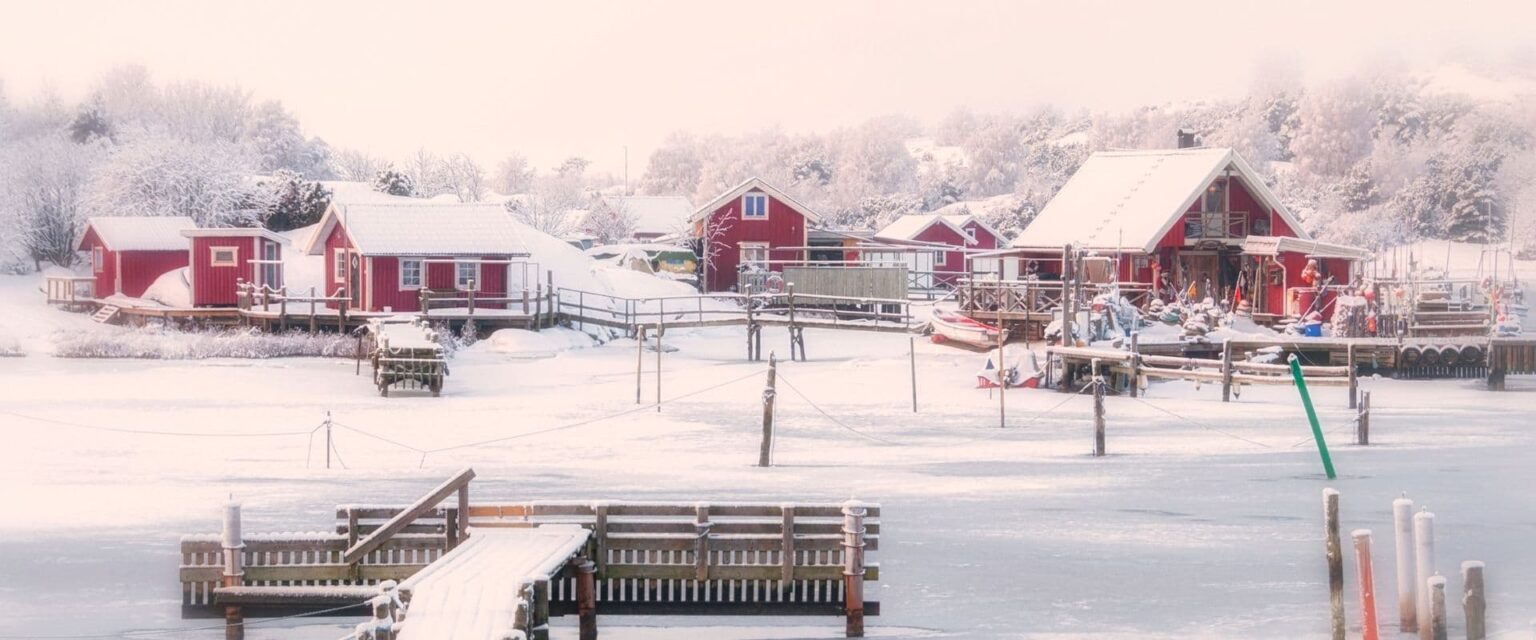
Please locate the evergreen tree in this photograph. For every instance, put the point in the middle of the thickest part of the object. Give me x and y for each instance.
(294, 201)
(395, 183)
(90, 124)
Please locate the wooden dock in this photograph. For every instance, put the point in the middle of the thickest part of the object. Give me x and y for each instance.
(644, 558)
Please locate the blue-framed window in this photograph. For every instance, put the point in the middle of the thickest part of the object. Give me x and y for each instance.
(754, 205)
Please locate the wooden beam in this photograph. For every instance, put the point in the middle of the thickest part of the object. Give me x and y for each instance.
(404, 518)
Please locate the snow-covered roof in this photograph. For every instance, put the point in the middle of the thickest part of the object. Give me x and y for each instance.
(754, 184)
(354, 192)
(1128, 200)
(1275, 245)
(654, 215)
(908, 227)
(141, 233)
(235, 232)
(420, 227)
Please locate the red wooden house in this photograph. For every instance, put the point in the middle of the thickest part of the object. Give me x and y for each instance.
(952, 236)
(753, 225)
(380, 255)
(1184, 220)
(224, 257)
(127, 254)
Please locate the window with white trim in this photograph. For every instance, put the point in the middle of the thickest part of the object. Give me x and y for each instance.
(410, 274)
(755, 253)
(98, 260)
(223, 256)
(466, 276)
(338, 265)
(754, 206)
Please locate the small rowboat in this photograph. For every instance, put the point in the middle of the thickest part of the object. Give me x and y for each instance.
(953, 327)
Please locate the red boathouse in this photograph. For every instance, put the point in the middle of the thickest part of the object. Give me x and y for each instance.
(127, 254)
(751, 226)
(223, 258)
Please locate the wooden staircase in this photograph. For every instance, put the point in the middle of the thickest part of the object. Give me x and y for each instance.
(106, 313)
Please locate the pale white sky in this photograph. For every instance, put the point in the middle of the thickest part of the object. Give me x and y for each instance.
(555, 78)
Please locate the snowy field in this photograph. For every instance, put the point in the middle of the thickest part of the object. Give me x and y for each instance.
(1204, 525)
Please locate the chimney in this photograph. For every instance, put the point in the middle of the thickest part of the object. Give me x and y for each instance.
(1188, 139)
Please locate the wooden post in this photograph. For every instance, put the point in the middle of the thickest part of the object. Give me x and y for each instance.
(1066, 299)
(540, 623)
(1407, 590)
(1437, 626)
(586, 599)
(312, 324)
(765, 453)
(912, 358)
(538, 304)
(659, 329)
(1424, 567)
(451, 530)
(1002, 374)
(383, 624)
(639, 358)
(1473, 601)
(600, 537)
(1135, 387)
(525, 301)
(1226, 371)
(1363, 420)
(1354, 380)
(701, 527)
(234, 569)
(463, 511)
(1335, 561)
(1098, 410)
(853, 567)
(787, 548)
(1362, 539)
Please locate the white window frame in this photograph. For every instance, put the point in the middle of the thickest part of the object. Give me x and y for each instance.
(421, 274)
(941, 259)
(98, 259)
(458, 282)
(339, 265)
(744, 247)
(213, 256)
(750, 196)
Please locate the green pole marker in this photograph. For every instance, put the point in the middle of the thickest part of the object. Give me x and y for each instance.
(1317, 429)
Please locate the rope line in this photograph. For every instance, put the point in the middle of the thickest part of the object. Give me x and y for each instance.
(1203, 425)
(829, 416)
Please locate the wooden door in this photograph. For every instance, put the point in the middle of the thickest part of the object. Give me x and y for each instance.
(1204, 272)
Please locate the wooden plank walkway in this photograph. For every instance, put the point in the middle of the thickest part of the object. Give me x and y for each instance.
(476, 591)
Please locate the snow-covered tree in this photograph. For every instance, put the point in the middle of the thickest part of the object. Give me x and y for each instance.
(395, 183)
(292, 201)
(163, 176)
(90, 123)
(513, 175)
(274, 135)
(573, 167)
(42, 187)
(674, 167)
(1335, 130)
(428, 172)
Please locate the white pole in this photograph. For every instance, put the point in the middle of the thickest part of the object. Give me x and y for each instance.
(1407, 595)
(1424, 562)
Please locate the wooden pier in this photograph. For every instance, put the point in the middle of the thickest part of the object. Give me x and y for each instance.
(641, 558)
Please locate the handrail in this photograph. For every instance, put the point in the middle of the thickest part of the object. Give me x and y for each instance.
(458, 482)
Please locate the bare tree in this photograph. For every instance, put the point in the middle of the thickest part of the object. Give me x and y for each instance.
(553, 206)
(609, 223)
(464, 177)
(711, 241)
(164, 176)
(357, 166)
(429, 173)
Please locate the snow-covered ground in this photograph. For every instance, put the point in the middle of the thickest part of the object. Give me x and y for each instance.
(1206, 523)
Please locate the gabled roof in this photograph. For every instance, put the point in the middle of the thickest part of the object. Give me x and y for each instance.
(140, 233)
(235, 232)
(654, 215)
(1128, 200)
(753, 184)
(962, 219)
(422, 228)
(908, 227)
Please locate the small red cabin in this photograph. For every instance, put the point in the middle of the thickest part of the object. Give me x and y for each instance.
(381, 255)
(223, 258)
(752, 225)
(1184, 222)
(127, 254)
(953, 236)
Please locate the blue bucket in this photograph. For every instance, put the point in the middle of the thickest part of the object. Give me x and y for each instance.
(1313, 330)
